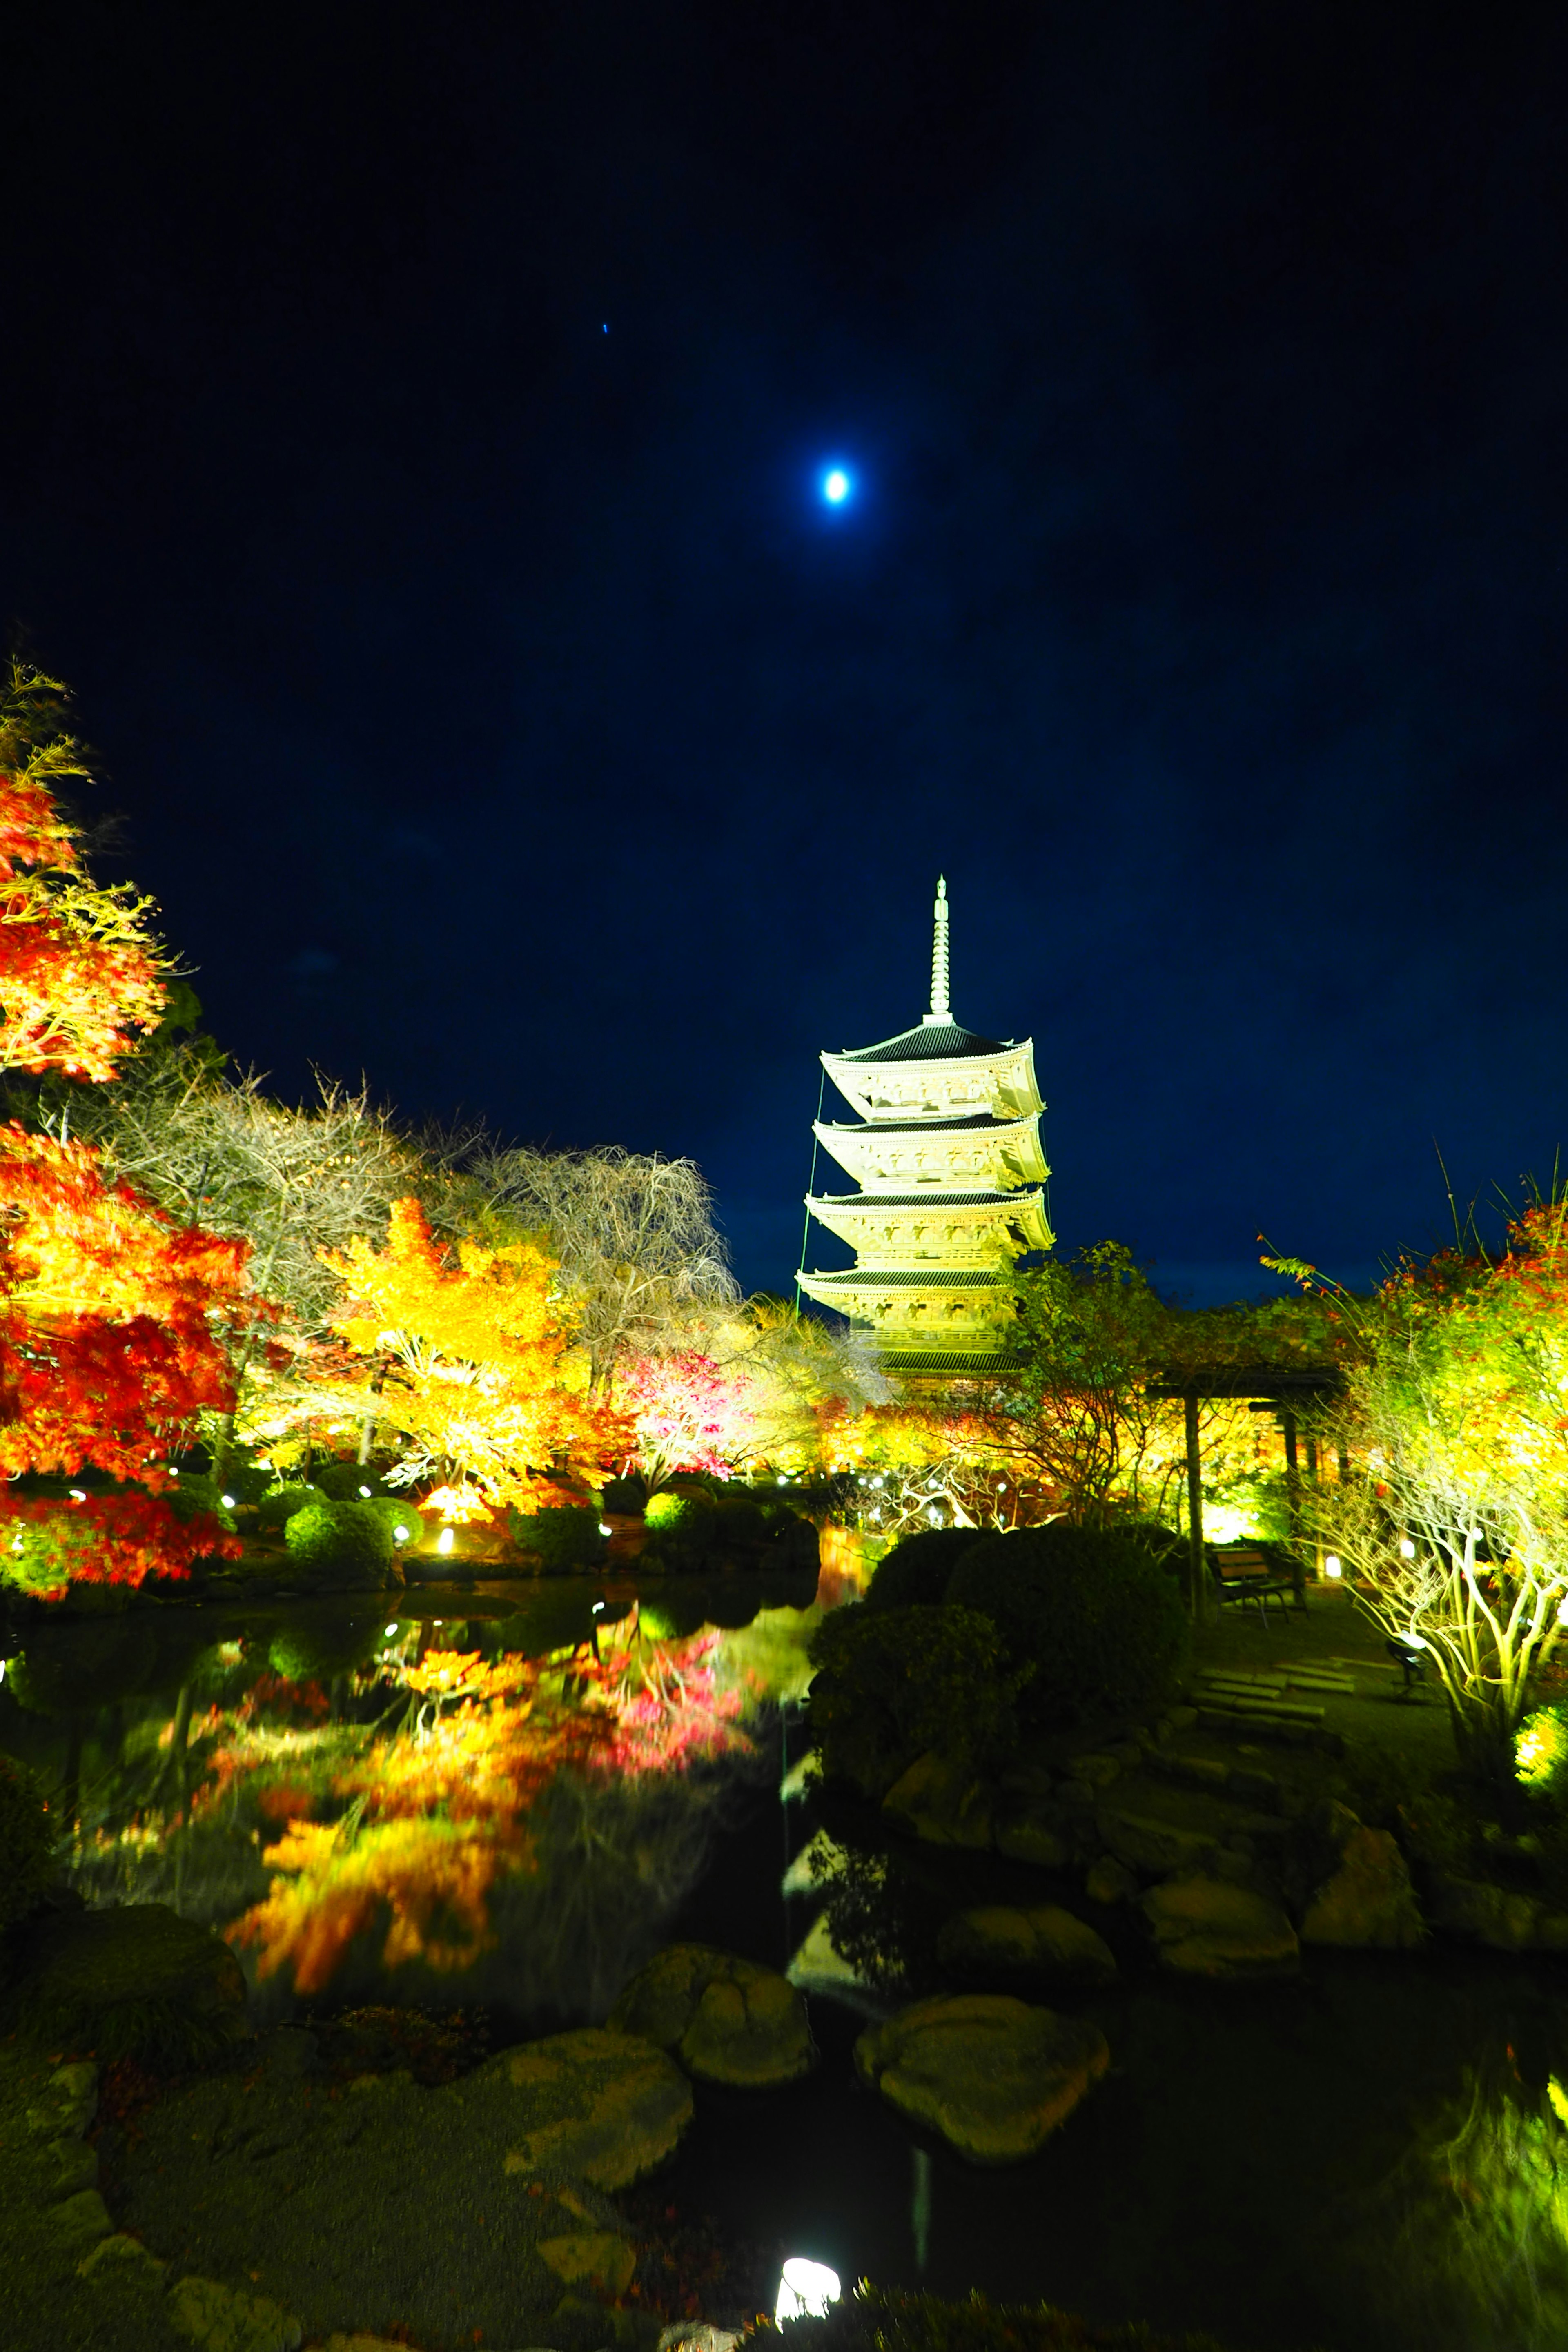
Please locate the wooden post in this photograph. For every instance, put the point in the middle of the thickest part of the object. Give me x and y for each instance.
(1292, 1473)
(1194, 1507)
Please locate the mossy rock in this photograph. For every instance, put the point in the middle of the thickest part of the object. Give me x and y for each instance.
(135, 1981)
(407, 1527)
(727, 2019)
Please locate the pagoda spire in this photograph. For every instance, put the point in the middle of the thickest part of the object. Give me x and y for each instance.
(939, 1008)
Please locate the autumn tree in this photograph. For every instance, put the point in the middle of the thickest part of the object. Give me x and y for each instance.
(295, 1184)
(1453, 1522)
(113, 1322)
(461, 1354)
(634, 1235)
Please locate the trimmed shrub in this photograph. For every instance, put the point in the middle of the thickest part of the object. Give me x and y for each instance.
(916, 1571)
(892, 1684)
(691, 1534)
(565, 1536)
(195, 1493)
(626, 1497)
(27, 1842)
(281, 1504)
(399, 1515)
(1089, 1611)
(670, 1508)
(340, 1481)
(351, 1541)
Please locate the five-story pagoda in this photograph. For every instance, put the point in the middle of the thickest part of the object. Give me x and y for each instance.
(950, 1179)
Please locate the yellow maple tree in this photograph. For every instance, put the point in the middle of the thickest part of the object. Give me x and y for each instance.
(465, 1352)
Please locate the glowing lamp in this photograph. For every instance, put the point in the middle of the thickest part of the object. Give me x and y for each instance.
(1407, 1549)
(365, 1492)
(444, 1540)
(605, 1528)
(1563, 1612)
(1332, 1565)
(227, 1502)
(806, 2291)
(400, 1535)
(392, 1629)
(76, 1495)
(836, 486)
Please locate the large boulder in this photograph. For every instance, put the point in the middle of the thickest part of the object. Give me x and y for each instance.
(1207, 1927)
(1152, 1846)
(995, 2076)
(606, 2107)
(939, 1799)
(1369, 1900)
(728, 2019)
(1483, 1913)
(1028, 1838)
(996, 1944)
(135, 1980)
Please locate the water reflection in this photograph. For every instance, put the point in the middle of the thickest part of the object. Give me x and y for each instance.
(516, 1798)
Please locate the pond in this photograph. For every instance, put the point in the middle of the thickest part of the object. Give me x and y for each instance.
(1373, 2153)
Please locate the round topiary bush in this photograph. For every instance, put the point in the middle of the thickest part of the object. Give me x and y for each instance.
(324, 1640)
(27, 1842)
(404, 1521)
(565, 1536)
(349, 1543)
(894, 1683)
(916, 1571)
(275, 1508)
(1089, 1611)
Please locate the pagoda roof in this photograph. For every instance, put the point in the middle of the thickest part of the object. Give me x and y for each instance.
(950, 1359)
(930, 1199)
(874, 1127)
(928, 1041)
(909, 1278)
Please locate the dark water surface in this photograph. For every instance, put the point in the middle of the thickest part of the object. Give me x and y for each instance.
(1373, 2154)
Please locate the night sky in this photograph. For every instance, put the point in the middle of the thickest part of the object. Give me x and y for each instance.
(414, 425)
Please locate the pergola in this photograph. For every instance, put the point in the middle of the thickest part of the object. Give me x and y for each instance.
(1282, 1388)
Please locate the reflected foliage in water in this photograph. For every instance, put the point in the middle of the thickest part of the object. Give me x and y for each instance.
(515, 1800)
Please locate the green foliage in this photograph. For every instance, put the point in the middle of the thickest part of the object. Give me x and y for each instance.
(198, 1491)
(1090, 1610)
(1541, 1751)
(281, 1504)
(692, 1532)
(1390, 1789)
(917, 1569)
(672, 1509)
(878, 2319)
(892, 1684)
(27, 1842)
(340, 1481)
(347, 1537)
(625, 1496)
(399, 1515)
(565, 1536)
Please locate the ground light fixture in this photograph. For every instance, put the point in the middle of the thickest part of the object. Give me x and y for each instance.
(806, 2291)
(1332, 1565)
(1407, 1549)
(444, 1540)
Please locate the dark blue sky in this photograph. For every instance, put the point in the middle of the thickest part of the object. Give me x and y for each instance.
(495, 709)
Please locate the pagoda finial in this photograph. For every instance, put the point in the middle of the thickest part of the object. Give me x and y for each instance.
(940, 1010)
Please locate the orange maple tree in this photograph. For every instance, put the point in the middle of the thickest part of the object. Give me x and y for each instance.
(111, 1317)
(79, 971)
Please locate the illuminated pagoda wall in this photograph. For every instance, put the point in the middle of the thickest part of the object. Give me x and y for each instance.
(950, 1180)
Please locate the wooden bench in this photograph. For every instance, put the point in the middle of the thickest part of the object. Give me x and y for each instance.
(1243, 1572)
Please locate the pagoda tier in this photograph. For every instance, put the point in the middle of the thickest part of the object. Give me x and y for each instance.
(938, 1071)
(974, 1154)
(948, 1162)
(906, 1229)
